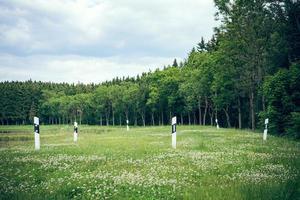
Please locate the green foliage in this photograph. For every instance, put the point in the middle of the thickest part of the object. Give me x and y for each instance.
(279, 101)
(282, 96)
(248, 69)
(294, 125)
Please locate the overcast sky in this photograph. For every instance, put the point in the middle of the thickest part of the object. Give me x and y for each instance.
(93, 41)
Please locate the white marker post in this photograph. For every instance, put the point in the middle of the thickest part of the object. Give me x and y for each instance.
(127, 122)
(217, 124)
(75, 131)
(174, 132)
(36, 133)
(266, 129)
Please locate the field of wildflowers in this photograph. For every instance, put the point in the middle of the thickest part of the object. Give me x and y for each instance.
(111, 163)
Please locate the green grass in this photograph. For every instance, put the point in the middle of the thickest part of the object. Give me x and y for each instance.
(111, 163)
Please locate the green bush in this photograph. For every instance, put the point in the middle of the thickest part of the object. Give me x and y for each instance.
(294, 128)
(282, 94)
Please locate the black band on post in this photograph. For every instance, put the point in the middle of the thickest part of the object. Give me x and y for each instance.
(37, 128)
(174, 128)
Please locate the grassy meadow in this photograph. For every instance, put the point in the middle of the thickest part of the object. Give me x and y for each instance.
(111, 163)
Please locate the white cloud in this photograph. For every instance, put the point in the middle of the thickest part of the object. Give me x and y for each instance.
(73, 69)
(59, 23)
(54, 24)
(17, 34)
(104, 35)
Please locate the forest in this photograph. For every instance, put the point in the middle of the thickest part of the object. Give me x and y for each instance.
(248, 71)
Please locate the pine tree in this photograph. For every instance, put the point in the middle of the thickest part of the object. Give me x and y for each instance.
(175, 63)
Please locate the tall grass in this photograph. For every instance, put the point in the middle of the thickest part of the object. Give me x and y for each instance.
(111, 163)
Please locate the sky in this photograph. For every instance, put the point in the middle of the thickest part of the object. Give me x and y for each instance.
(96, 40)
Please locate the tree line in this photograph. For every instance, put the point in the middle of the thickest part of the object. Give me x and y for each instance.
(248, 71)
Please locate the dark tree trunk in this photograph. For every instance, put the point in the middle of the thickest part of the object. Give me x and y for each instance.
(199, 110)
(205, 111)
(181, 119)
(152, 117)
(227, 117)
(107, 119)
(263, 103)
(211, 114)
(143, 119)
(113, 118)
(251, 99)
(80, 117)
(239, 113)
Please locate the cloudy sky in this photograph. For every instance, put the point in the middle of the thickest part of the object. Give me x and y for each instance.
(93, 41)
